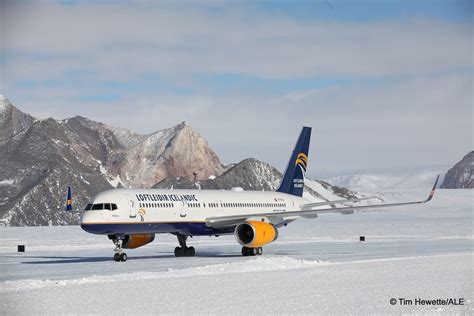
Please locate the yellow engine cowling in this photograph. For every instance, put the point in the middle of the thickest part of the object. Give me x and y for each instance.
(137, 240)
(253, 234)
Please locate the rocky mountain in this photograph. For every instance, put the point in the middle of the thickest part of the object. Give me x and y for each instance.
(249, 174)
(177, 151)
(252, 174)
(460, 176)
(40, 158)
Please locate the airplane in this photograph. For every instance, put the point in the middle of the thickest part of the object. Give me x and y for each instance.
(132, 217)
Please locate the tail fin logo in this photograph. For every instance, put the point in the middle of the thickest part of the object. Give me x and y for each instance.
(302, 161)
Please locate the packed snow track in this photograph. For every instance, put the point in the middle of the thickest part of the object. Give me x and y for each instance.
(316, 266)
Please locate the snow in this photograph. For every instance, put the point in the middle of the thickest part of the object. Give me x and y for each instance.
(317, 187)
(7, 181)
(315, 267)
(113, 180)
(384, 181)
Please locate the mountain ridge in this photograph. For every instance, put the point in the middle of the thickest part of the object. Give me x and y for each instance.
(39, 158)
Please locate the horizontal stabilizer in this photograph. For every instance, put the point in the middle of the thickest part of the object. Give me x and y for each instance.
(69, 201)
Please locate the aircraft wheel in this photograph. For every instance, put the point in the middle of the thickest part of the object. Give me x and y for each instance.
(191, 251)
(246, 251)
(178, 252)
(117, 257)
(259, 251)
(123, 257)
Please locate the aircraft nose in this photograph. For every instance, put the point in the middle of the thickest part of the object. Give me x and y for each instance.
(89, 217)
(89, 221)
(84, 217)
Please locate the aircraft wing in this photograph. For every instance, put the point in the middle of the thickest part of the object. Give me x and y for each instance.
(226, 221)
(309, 206)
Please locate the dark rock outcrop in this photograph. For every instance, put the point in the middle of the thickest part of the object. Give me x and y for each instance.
(460, 176)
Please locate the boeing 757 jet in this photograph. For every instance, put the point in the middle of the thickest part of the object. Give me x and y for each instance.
(132, 217)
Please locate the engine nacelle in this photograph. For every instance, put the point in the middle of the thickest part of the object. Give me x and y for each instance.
(137, 240)
(255, 234)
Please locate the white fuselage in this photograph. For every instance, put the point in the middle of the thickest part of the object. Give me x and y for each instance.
(179, 211)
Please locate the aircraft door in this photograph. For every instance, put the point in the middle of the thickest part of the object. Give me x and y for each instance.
(183, 211)
(131, 207)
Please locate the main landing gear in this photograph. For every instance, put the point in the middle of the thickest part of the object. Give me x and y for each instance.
(119, 255)
(183, 250)
(252, 251)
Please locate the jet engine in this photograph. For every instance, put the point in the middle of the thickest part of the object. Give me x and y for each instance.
(137, 240)
(254, 234)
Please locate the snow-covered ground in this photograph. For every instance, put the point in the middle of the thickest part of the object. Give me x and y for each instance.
(315, 267)
(405, 180)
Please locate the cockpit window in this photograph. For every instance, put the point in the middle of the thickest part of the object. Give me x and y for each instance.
(107, 206)
(97, 207)
(88, 207)
(114, 206)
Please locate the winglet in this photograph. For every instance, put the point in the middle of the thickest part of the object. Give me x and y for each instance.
(69, 199)
(433, 190)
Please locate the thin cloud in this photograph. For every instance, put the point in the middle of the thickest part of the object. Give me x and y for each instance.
(144, 67)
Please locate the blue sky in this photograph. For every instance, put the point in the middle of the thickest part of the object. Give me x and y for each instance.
(371, 10)
(367, 75)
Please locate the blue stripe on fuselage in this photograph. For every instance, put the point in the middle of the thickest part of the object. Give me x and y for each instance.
(185, 228)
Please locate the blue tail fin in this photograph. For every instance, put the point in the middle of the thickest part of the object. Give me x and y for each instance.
(293, 179)
(69, 199)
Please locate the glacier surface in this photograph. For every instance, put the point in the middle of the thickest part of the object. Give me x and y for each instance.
(315, 267)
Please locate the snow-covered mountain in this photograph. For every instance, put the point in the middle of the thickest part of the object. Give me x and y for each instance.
(460, 176)
(177, 151)
(40, 158)
(386, 180)
(252, 174)
(12, 121)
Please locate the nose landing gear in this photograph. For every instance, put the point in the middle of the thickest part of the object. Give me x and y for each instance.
(119, 255)
(183, 250)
